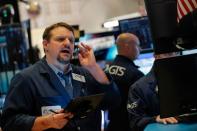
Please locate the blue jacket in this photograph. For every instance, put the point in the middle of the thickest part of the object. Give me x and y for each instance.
(38, 86)
(143, 103)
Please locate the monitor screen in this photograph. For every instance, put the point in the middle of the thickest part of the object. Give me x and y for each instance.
(13, 46)
(112, 52)
(140, 27)
(102, 43)
(13, 53)
(145, 62)
(176, 79)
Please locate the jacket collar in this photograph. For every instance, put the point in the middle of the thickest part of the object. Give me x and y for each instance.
(46, 71)
(50, 74)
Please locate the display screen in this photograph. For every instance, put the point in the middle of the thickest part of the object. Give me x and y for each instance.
(140, 27)
(13, 53)
(145, 62)
(176, 77)
(102, 44)
(14, 45)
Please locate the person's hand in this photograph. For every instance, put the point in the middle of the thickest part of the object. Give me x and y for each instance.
(86, 55)
(170, 120)
(88, 61)
(56, 121)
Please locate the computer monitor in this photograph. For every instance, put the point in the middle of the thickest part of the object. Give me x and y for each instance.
(13, 47)
(140, 27)
(163, 22)
(177, 82)
(145, 62)
(13, 53)
(101, 43)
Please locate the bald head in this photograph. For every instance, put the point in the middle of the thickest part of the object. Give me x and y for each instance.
(128, 45)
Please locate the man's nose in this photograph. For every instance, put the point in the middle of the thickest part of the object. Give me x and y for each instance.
(66, 41)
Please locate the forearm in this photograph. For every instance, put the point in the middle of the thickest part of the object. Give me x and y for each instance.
(56, 121)
(139, 122)
(145, 120)
(98, 74)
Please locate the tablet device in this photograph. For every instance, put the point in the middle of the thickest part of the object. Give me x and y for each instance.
(81, 106)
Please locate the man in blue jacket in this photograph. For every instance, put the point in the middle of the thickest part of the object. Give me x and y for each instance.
(41, 88)
(143, 100)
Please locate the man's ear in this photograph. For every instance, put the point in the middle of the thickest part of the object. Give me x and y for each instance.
(45, 44)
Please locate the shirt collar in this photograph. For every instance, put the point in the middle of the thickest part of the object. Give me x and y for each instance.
(56, 70)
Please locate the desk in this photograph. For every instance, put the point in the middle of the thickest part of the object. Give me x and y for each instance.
(171, 127)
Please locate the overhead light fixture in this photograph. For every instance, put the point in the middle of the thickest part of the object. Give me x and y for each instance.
(111, 24)
(33, 7)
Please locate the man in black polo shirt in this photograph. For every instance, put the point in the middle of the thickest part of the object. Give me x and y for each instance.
(124, 73)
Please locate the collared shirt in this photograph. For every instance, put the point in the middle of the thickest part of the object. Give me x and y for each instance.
(62, 80)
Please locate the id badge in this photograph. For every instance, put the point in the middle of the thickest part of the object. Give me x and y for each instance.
(46, 109)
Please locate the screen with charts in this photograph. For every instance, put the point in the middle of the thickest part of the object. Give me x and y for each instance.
(140, 27)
